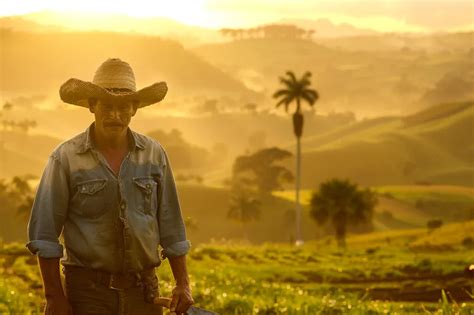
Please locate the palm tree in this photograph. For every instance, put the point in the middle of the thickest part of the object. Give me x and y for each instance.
(297, 91)
(342, 203)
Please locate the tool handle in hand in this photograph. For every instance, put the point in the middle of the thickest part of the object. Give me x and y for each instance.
(162, 301)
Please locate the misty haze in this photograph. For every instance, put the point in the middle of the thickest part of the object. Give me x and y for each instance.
(390, 121)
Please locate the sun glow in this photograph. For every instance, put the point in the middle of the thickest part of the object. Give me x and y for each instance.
(378, 15)
(88, 11)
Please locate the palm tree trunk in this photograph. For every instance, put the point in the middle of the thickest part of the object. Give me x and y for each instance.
(299, 238)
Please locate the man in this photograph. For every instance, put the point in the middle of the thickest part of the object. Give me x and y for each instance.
(110, 192)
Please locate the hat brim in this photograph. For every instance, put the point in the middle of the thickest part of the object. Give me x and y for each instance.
(78, 92)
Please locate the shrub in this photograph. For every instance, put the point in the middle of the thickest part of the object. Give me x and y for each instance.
(434, 224)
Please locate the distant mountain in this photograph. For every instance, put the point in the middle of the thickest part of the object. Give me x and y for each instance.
(369, 75)
(405, 43)
(22, 24)
(325, 28)
(38, 62)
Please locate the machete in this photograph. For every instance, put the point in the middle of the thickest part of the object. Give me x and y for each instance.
(192, 310)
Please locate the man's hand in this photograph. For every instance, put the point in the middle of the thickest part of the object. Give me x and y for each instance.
(181, 300)
(57, 305)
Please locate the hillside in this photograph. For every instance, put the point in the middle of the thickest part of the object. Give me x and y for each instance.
(382, 151)
(387, 78)
(22, 154)
(399, 208)
(41, 62)
(211, 220)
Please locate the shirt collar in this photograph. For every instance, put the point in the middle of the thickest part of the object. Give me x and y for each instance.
(136, 143)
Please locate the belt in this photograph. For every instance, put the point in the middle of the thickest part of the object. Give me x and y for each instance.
(115, 281)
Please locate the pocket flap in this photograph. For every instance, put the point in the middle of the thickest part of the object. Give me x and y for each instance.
(91, 187)
(146, 184)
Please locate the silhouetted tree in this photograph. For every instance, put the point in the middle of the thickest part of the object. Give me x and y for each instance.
(297, 91)
(341, 203)
(260, 170)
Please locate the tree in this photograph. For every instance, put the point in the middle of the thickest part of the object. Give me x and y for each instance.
(261, 171)
(254, 176)
(341, 203)
(244, 205)
(434, 224)
(297, 91)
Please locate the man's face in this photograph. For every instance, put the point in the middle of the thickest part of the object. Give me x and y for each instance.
(113, 117)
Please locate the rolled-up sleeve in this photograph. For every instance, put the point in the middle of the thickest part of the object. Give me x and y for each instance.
(49, 211)
(170, 220)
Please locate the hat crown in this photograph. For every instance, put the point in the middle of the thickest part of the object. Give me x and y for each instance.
(115, 74)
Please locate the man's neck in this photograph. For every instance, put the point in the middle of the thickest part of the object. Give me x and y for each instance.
(109, 144)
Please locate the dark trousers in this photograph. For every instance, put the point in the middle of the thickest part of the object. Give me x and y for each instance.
(88, 296)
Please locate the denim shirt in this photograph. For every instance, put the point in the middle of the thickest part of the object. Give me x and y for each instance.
(108, 222)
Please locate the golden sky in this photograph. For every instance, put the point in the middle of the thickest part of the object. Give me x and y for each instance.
(382, 15)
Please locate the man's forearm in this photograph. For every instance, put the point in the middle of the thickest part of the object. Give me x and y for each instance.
(180, 272)
(51, 277)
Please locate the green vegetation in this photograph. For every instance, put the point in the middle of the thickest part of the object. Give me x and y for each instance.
(378, 273)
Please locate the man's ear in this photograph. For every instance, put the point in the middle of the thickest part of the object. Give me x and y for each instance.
(92, 103)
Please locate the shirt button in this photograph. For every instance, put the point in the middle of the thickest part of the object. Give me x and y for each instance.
(122, 206)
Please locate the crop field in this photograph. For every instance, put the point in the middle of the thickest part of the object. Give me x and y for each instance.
(395, 272)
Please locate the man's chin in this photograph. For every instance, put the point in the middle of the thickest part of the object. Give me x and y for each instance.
(113, 128)
(113, 131)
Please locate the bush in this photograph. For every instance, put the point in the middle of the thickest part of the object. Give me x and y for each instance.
(434, 224)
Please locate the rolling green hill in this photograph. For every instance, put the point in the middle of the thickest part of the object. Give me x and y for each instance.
(434, 147)
(399, 208)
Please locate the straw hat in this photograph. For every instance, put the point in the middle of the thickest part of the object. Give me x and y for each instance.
(113, 79)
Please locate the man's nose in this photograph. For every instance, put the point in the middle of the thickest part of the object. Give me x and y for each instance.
(115, 114)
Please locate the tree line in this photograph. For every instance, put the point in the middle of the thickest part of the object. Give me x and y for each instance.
(270, 31)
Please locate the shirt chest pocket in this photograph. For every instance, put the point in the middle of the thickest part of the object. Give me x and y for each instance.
(146, 194)
(91, 198)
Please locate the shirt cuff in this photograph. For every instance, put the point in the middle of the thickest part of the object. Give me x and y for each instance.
(177, 249)
(45, 249)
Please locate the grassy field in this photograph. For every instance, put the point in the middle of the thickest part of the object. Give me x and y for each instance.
(395, 272)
